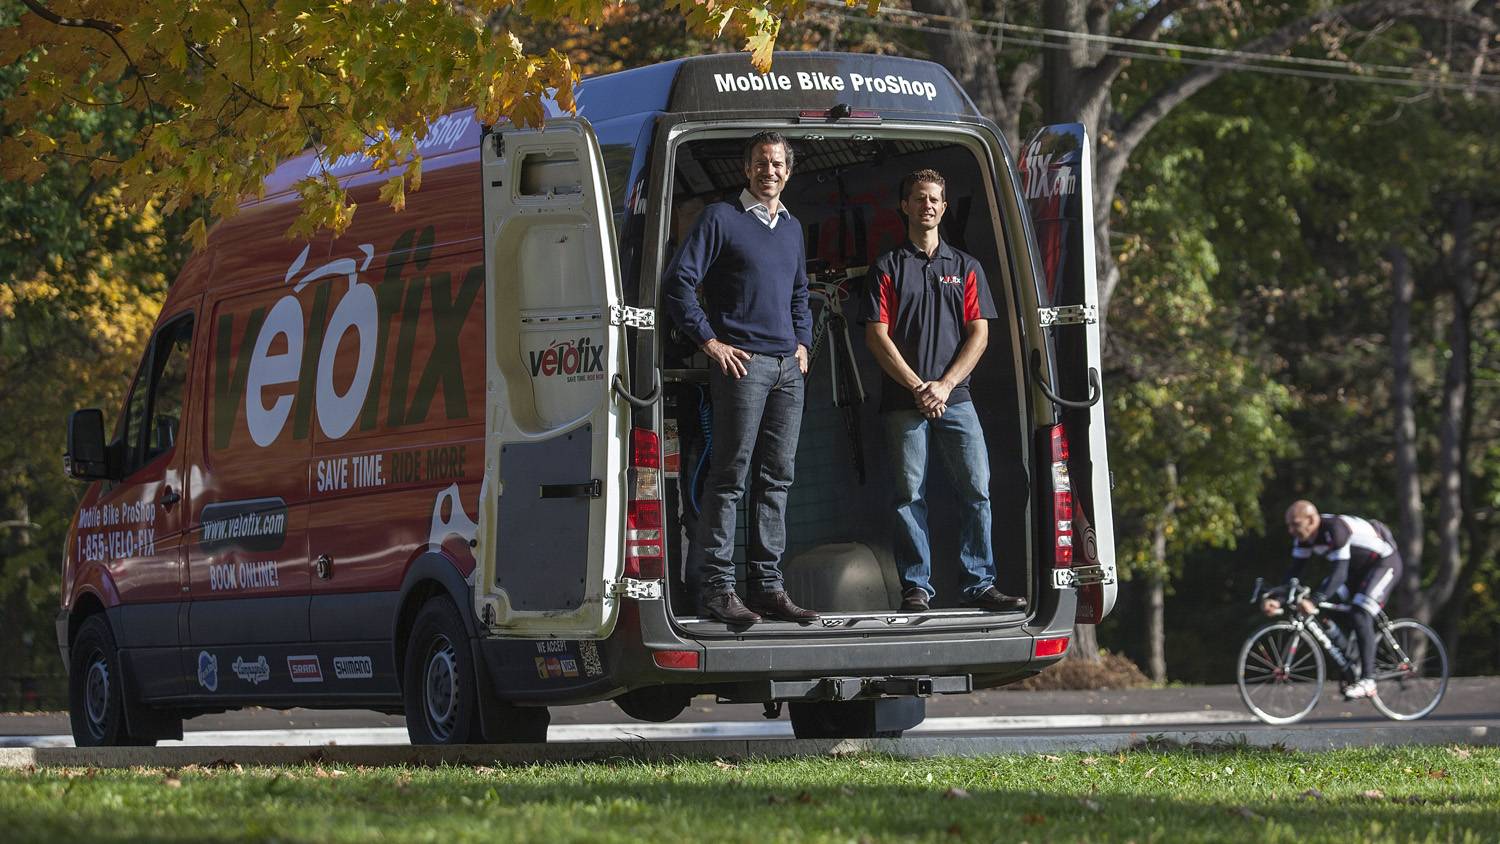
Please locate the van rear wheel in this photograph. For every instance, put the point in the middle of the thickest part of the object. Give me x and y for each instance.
(440, 689)
(96, 689)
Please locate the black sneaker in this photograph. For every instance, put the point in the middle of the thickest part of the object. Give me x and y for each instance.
(914, 600)
(726, 607)
(994, 600)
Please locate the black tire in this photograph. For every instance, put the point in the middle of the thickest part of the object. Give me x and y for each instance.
(837, 720)
(1280, 673)
(1409, 683)
(96, 689)
(440, 689)
(511, 724)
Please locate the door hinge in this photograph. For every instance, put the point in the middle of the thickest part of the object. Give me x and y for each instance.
(1068, 315)
(1080, 576)
(632, 317)
(640, 590)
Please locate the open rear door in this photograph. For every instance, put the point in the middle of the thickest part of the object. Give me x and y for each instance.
(1057, 170)
(553, 510)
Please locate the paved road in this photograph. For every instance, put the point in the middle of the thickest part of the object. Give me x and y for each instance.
(1471, 701)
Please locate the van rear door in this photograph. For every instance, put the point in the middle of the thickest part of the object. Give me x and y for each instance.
(1057, 171)
(552, 522)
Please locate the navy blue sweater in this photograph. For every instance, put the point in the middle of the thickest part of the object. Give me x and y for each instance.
(754, 282)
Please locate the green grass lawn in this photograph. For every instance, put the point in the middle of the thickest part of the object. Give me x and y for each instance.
(1408, 794)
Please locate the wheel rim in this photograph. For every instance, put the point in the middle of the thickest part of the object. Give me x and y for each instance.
(440, 689)
(1411, 683)
(96, 694)
(1280, 674)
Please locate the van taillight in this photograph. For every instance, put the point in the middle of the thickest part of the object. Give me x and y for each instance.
(1062, 501)
(643, 515)
(1053, 646)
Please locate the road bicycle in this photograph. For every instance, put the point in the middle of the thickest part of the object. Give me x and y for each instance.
(1282, 667)
(829, 289)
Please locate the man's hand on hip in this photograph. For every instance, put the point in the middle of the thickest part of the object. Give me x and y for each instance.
(729, 359)
(802, 358)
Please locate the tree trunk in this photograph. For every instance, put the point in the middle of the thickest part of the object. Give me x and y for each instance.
(1085, 643)
(1452, 450)
(1408, 481)
(1156, 583)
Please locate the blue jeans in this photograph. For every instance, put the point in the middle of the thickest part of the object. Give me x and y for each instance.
(960, 443)
(756, 423)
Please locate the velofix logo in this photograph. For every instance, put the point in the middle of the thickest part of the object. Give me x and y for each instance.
(575, 360)
(952, 279)
(304, 669)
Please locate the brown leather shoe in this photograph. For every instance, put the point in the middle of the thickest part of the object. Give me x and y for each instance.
(726, 607)
(994, 600)
(914, 600)
(779, 606)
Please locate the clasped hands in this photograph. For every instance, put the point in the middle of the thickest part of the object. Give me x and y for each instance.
(932, 397)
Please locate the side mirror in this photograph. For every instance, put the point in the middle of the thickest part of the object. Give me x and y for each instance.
(87, 458)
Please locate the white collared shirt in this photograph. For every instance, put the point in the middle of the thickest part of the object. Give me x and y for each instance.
(762, 213)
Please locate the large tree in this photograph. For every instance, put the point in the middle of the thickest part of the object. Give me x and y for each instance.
(227, 90)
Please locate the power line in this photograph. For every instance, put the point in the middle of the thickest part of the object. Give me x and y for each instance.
(1230, 59)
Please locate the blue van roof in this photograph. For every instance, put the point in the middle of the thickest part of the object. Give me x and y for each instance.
(719, 83)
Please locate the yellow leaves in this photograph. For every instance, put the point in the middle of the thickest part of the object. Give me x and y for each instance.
(197, 232)
(393, 192)
(241, 85)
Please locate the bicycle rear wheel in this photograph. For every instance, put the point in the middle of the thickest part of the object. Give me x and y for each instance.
(1281, 673)
(1411, 671)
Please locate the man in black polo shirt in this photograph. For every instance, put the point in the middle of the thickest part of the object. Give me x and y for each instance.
(755, 326)
(927, 327)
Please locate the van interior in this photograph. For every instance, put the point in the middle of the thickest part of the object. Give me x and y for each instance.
(843, 190)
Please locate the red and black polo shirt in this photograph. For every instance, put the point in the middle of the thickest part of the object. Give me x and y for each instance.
(926, 301)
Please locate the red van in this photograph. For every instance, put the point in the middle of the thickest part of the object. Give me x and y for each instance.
(444, 464)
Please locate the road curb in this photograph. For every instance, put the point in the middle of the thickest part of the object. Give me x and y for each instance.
(910, 748)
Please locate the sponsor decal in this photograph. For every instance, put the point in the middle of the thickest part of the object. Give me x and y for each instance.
(254, 673)
(952, 279)
(353, 667)
(274, 367)
(554, 667)
(575, 360)
(592, 666)
(569, 667)
(1048, 174)
(443, 135)
(305, 669)
(890, 83)
(541, 667)
(208, 671)
(129, 531)
(229, 577)
(257, 524)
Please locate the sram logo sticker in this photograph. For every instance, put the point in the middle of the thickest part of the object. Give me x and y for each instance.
(304, 669)
(353, 667)
(575, 360)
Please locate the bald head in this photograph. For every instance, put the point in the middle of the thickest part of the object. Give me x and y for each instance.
(1302, 520)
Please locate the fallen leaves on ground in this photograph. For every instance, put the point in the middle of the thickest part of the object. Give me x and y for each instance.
(1311, 794)
(955, 793)
(1033, 819)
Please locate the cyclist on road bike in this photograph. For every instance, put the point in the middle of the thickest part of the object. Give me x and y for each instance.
(1363, 553)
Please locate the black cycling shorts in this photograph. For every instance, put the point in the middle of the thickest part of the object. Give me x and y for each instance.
(1376, 584)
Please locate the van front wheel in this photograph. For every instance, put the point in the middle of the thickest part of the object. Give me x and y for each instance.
(440, 693)
(96, 689)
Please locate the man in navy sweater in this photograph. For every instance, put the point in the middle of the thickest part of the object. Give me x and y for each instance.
(929, 308)
(755, 327)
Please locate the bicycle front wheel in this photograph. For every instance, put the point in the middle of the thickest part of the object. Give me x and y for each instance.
(1281, 673)
(1411, 670)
